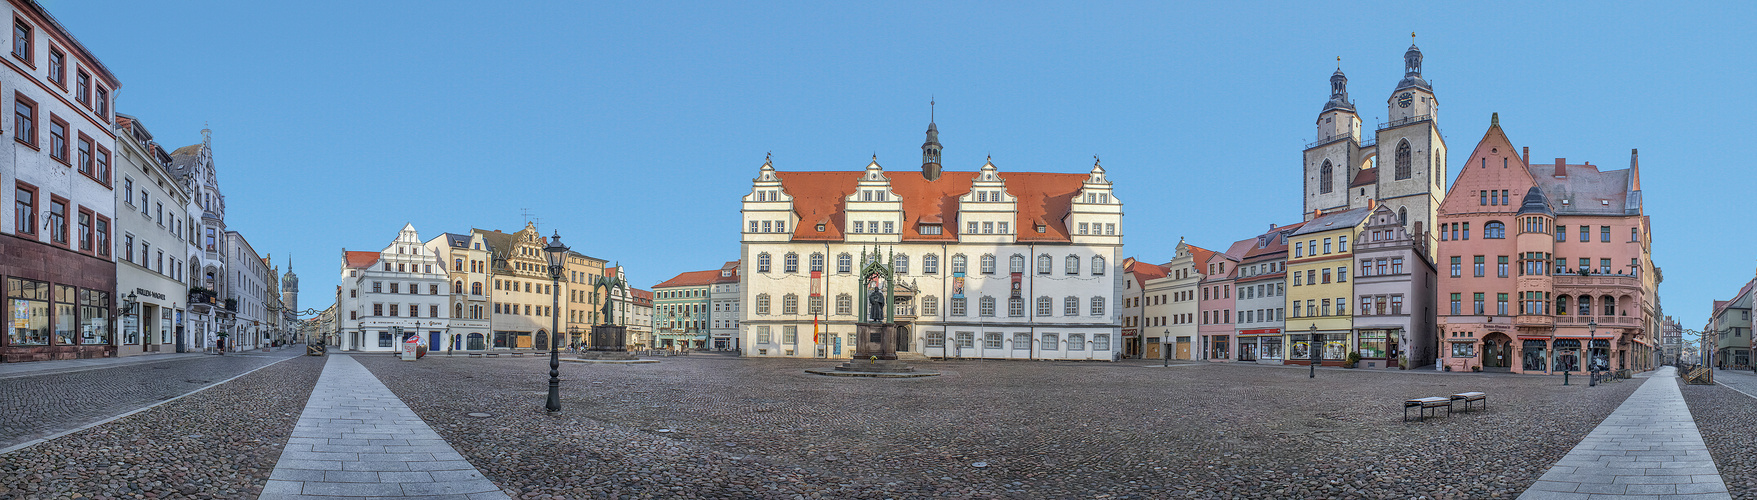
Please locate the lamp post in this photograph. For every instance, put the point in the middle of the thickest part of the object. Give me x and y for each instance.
(1312, 346)
(555, 251)
(1591, 354)
(1164, 352)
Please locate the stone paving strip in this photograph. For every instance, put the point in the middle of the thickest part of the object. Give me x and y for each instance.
(356, 439)
(1648, 448)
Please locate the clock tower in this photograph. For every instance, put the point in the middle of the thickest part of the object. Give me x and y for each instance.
(1410, 153)
(1333, 160)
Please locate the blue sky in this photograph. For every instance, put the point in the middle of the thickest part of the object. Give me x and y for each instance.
(633, 128)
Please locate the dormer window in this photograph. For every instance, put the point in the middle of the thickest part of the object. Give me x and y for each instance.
(1042, 228)
(820, 228)
(928, 229)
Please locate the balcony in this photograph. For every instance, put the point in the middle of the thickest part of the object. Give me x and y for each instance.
(202, 296)
(1405, 121)
(1616, 280)
(1603, 321)
(1534, 321)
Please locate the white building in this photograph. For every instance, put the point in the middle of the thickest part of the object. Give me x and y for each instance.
(639, 318)
(1172, 302)
(247, 295)
(193, 165)
(1262, 297)
(469, 258)
(723, 320)
(153, 239)
(398, 287)
(58, 263)
(948, 235)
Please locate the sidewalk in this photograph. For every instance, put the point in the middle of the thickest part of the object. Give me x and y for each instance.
(10, 370)
(1648, 448)
(356, 439)
(1739, 380)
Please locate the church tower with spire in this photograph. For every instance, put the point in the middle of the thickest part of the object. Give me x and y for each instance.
(930, 150)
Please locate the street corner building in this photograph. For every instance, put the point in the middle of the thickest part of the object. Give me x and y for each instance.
(989, 264)
(1561, 280)
(56, 253)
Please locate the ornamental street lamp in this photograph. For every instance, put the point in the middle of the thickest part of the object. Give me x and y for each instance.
(1592, 354)
(1312, 347)
(555, 251)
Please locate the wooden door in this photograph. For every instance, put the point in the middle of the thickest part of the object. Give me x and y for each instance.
(1183, 349)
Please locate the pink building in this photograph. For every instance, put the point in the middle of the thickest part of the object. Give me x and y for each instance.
(1217, 304)
(1551, 282)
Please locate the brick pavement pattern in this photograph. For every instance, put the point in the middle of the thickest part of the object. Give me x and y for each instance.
(1648, 448)
(1743, 381)
(358, 440)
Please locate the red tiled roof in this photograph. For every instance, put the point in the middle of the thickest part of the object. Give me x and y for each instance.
(728, 278)
(820, 198)
(361, 259)
(692, 278)
(1144, 271)
(1365, 177)
(1200, 256)
(1275, 244)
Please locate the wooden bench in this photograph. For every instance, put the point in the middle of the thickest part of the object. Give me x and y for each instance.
(1467, 397)
(1423, 404)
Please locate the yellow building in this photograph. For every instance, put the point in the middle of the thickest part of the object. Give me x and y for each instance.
(584, 303)
(1319, 287)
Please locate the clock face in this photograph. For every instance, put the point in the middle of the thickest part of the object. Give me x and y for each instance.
(1404, 100)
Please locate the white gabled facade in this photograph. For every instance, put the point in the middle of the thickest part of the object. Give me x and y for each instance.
(990, 265)
(402, 285)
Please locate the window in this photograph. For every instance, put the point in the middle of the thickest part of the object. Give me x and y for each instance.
(1098, 265)
(762, 335)
(930, 306)
(85, 230)
(1480, 266)
(930, 264)
(1342, 244)
(844, 304)
(82, 87)
(1561, 234)
(1501, 304)
(103, 235)
(1477, 306)
(972, 228)
(1585, 233)
(1366, 306)
(57, 139)
(1396, 304)
(1299, 249)
(1501, 266)
(1465, 232)
(1073, 265)
(58, 67)
(1326, 275)
(1604, 233)
(103, 104)
(1325, 173)
(991, 340)
(985, 307)
(57, 220)
(1396, 265)
(1456, 308)
(1016, 264)
(928, 229)
(987, 264)
(24, 120)
(1076, 341)
(1604, 266)
(1043, 306)
(1071, 306)
(844, 263)
(762, 304)
(936, 340)
(1098, 306)
(762, 263)
(966, 340)
(814, 305)
(1403, 169)
(1342, 274)
(25, 209)
(959, 307)
(1494, 230)
(790, 263)
(1016, 307)
(1050, 342)
(21, 42)
(889, 228)
(1326, 246)
(1609, 304)
(1366, 268)
(901, 263)
(959, 263)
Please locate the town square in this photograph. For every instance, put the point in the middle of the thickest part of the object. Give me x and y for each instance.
(559, 250)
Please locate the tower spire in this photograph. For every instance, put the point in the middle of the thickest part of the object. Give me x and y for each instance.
(930, 150)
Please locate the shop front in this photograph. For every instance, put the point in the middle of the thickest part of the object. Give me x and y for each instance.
(58, 303)
(1378, 348)
(1330, 347)
(149, 318)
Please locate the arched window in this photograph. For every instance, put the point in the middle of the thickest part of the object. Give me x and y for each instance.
(457, 286)
(457, 264)
(1325, 173)
(1403, 216)
(762, 304)
(476, 288)
(790, 304)
(986, 306)
(1098, 265)
(1494, 230)
(1585, 305)
(901, 262)
(817, 262)
(987, 264)
(1016, 264)
(930, 306)
(1403, 165)
(1610, 305)
(1098, 306)
(1073, 265)
(1016, 307)
(1071, 306)
(762, 262)
(930, 264)
(844, 263)
(1561, 305)
(959, 263)
(790, 263)
(1044, 305)
(1044, 263)
(457, 311)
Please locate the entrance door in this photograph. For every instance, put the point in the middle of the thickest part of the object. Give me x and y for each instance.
(1183, 348)
(1152, 350)
(836, 343)
(433, 340)
(902, 339)
(1497, 352)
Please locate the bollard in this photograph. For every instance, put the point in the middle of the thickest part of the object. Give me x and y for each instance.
(1564, 378)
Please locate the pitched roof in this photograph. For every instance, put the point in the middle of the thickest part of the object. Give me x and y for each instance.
(1144, 271)
(1366, 177)
(1583, 187)
(691, 278)
(1338, 220)
(1200, 256)
(729, 266)
(456, 240)
(1273, 241)
(361, 259)
(820, 198)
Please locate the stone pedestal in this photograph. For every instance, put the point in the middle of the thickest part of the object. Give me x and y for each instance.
(875, 340)
(608, 342)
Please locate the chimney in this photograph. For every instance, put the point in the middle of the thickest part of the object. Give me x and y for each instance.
(1271, 226)
(1561, 168)
(1317, 212)
(1372, 204)
(1526, 156)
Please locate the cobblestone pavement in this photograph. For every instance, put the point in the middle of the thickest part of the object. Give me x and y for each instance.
(220, 443)
(37, 406)
(1726, 419)
(713, 427)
